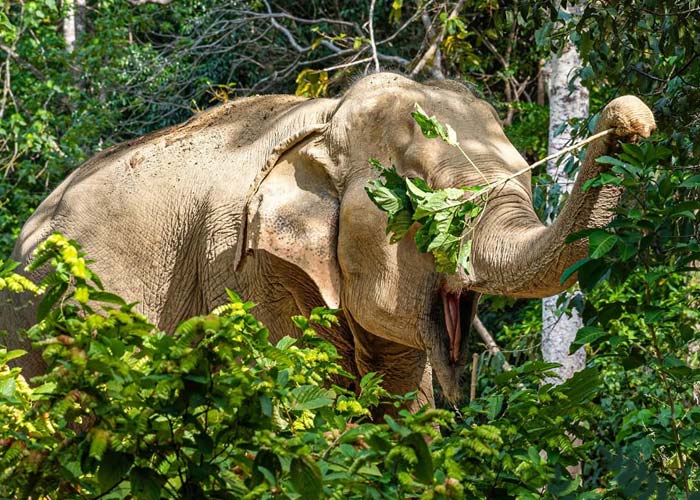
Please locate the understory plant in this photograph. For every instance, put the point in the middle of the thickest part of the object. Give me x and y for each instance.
(216, 411)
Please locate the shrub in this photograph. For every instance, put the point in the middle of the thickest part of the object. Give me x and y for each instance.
(214, 410)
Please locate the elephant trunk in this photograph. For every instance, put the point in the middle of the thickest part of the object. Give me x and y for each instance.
(514, 254)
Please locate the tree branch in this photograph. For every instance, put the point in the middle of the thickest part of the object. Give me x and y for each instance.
(430, 53)
(14, 55)
(488, 340)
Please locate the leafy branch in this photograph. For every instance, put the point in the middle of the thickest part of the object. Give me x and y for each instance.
(447, 216)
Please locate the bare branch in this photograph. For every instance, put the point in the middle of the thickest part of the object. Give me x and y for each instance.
(475, 372)
(488, 340)
(371, 35)
(432, 50)
(408, 22)
(286, 15)
(14, 55)
(348, 64)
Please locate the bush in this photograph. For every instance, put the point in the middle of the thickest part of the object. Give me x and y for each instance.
(216, 411)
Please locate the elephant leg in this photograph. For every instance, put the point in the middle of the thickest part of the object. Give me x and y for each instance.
(403, 369)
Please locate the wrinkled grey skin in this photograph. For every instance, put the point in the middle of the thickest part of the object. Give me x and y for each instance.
(266, 196)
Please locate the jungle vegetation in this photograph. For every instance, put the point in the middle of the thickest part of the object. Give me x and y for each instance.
(131, 412)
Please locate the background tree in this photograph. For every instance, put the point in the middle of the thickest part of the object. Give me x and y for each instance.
(568, 102)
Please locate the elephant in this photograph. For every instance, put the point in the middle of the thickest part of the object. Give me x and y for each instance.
(265, 195)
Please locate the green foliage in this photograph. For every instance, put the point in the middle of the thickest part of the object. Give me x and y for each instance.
(653, 52)
(529, 132)
(445, 216)
(216, 411)
(642, 322)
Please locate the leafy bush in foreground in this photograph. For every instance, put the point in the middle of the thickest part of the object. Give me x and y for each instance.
(215, 411)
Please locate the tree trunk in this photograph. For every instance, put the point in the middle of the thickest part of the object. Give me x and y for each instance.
(567, 99)
(73, 23)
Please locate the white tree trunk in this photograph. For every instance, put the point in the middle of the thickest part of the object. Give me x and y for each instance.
(73, 25)
(567, 99)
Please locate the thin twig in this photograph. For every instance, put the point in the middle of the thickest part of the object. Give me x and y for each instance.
(371, 35)
(488, 340)
(475, 370)
(14, 55)
(430, 53)
(348, 64)
(408, 22)
(564, 151)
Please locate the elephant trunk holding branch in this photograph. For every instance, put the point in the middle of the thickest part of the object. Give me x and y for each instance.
(266, 196)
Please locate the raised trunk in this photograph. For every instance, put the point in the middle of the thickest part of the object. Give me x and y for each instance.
(514, 254)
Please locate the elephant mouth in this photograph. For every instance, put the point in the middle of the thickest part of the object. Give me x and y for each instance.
(458, 310)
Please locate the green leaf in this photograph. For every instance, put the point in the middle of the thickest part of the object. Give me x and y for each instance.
(426, 124)
(571, 270)
(432, 128)
(287, 342)
(7, 267)
(579, 235)
(424, 467)
(98, 442)
(50, 298)
(600, 243)
(7, 387)
(620, 166)
(582, 387)
(265, 467)
(398, 225)
(586, 335)
(306, 477)
(108, 297)
(414, 188)
(266, 404)
(495, 404)
(465, 255)
(144, 483)
(309, 397)
(602, 179)
(113, 468)
(691, 182)
(6, 357)
(385, 199)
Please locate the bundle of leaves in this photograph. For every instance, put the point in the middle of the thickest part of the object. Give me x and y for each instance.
(445, 216)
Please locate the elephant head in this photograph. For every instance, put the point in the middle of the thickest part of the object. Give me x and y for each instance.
(312, 210)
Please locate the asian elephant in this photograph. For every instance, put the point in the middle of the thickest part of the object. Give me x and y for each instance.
(266, 196)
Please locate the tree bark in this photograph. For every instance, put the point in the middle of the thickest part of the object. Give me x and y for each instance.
(568, 99)
(73, 23)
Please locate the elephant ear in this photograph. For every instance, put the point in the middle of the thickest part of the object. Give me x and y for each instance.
(293, 215)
